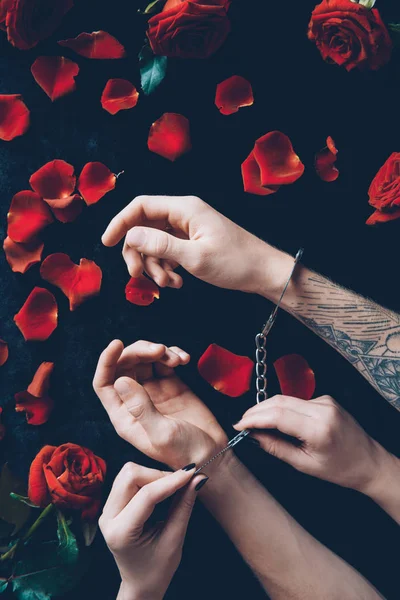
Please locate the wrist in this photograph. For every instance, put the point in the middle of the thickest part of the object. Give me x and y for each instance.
(128, 591)
(384, 476)
(271, 271)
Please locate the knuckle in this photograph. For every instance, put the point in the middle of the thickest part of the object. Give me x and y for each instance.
(161, 243)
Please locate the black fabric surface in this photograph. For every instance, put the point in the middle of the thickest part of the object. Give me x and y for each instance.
(295, 92)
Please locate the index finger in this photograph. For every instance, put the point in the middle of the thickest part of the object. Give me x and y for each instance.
(169, 209)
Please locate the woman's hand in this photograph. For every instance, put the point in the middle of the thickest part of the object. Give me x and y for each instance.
(147, 555)
(162, 232)
(151, 408)
(326, 441)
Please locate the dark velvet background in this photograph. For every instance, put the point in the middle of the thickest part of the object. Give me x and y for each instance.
(296, 92)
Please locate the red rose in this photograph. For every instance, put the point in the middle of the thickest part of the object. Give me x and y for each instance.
(384, 191)
(189, 29)
(350, 34)
(30, 21)
(69, 476)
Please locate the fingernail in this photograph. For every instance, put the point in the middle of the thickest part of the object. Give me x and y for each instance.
(122, 386)
(253, 441)
(201, 483)
(189, 467)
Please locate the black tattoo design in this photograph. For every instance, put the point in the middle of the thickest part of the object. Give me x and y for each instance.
(366, 334)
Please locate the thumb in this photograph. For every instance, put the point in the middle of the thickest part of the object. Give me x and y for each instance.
(156, 243)
(279, 448)
(139, 405)
(176, 526)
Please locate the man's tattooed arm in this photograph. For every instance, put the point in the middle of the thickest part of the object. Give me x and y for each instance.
(366, 334)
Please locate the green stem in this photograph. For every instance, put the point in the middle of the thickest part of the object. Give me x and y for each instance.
(10, 553)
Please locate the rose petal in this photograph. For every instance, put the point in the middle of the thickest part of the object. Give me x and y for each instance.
(228, 373)
(325, 160)
(98, 44)
(56, 179)
(3, 352)
(55, 75)
(141, 291)
(2, 427)
(27, 216)
(232, 94)
(22, 257)
(37, 488)
(68, 209)
(295, 376)
(119, 94)
(95, 181)
(278, 162)
(30, 21)
(14, 116)
(251, 175)
(77, 282)
(40, 383)
(37, 318)
(38, 410)
(169, 136)
(383, 217)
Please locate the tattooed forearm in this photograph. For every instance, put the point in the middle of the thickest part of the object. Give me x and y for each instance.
(366, 334)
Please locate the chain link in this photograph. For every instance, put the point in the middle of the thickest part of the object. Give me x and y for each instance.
(261, 368)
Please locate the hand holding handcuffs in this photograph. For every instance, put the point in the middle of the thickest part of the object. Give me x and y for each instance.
(261, 365)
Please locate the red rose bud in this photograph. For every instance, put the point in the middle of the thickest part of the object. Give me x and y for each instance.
(350, 35)
(189, 29)
(295, 376)
(77, 282)
(14, 117)
(227, 372)
(97, 45)
(69, 476)
(384, 191)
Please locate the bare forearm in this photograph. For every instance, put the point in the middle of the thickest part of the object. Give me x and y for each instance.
(366, 334)
(289, 562)
(384, 489)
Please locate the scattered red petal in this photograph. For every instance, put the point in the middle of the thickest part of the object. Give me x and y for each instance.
(40, 383)
(77, 282)
(27, 216)
(37, 410)
(30, 21)
(22, 257)
(67, 209)
(295, 376)
(37, 318)
(278, 162)
(14, 116)
(56, 179)
(95, 181)
(55, 75)
(98, 44)
(228, 373)
(325, 160)
(119, 94)
(252, 178)
(141, 291)
(3, 352)
(2, 427)
(383, 217)
(169, 136)
(232, 94)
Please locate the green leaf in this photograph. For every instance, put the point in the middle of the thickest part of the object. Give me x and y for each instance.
(367, 3)
(152, 7)
(3, 584)
(24, 500)
(43, 573)
(152, 69)
(394, 27)
(89, 530)
(11, 510)
(68, 547)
